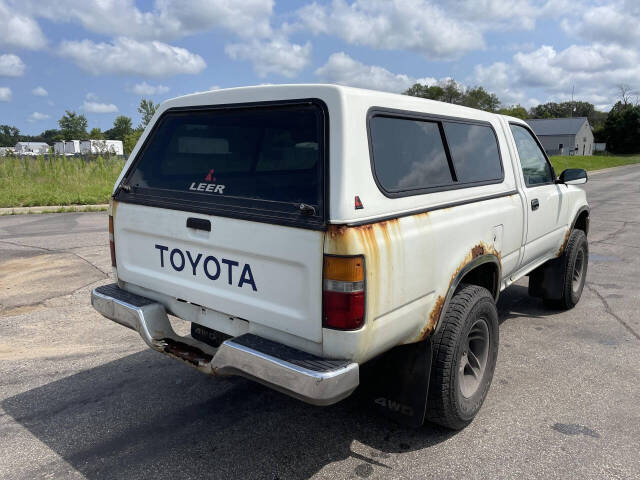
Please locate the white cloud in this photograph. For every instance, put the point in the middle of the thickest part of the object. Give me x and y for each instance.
(125, 56)
(11, 66)
(344, 70)
(5, 94)
(593, 70)
(614, 22)
(167, 19)
(40, 92)
(277, 56)
(37, 116)
(145, 88)
(98, 107)
(417, 25)
(18, 29)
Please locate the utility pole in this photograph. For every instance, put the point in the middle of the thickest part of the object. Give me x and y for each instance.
(573, 105)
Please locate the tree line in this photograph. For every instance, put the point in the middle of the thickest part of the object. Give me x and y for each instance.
(73, 126)
(619, 128)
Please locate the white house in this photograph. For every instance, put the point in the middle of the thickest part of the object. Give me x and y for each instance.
(31, 148)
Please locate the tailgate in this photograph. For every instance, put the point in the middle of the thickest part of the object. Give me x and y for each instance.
(263, 273)
(256, 173)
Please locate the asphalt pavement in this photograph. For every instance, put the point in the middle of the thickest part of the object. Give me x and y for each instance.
(81, 397)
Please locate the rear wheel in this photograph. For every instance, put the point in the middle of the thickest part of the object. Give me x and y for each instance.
(465, 350)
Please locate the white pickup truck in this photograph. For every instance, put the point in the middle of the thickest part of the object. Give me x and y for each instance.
(307, 230)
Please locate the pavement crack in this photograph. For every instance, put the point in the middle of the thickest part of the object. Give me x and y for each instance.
(607, 309)
(53, 250)
(616, 232)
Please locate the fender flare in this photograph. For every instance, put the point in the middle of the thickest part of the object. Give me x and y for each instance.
(584, 208)
(476, 262)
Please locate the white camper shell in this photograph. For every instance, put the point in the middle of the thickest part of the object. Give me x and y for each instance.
(305, 230)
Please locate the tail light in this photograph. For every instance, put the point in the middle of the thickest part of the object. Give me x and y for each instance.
(343, 294)
(112, 244)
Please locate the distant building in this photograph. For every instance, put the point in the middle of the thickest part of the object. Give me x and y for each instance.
(31, 148)
(564, 136)
(113, 147)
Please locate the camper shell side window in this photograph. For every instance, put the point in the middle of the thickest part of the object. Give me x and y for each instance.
(413, 153)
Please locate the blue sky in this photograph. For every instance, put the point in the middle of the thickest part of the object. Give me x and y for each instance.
(100, 57)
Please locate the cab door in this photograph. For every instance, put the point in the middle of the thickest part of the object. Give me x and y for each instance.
(543, 196)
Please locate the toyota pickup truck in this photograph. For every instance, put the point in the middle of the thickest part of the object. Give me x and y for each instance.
(310, 233)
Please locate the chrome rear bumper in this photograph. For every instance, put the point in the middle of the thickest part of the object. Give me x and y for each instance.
(301, 375)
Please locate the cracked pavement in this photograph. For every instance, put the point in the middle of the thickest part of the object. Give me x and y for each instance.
(81, 397)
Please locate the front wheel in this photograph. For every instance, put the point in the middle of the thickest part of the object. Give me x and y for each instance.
(465, 350)
(574, 271)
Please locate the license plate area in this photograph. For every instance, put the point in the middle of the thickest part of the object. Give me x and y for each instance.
(208, 335)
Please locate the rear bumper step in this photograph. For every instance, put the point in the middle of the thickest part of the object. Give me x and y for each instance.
(301, 375)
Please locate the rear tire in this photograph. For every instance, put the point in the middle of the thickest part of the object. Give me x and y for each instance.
(465, 350)
(574, 271)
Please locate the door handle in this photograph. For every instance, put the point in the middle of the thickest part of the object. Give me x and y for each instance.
(199, 224)
(535, 204)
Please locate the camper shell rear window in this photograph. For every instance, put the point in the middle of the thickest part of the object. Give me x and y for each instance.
(262, 162)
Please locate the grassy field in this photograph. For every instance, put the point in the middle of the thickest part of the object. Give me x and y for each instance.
(31, 181)
(36, 181)
(593, 162)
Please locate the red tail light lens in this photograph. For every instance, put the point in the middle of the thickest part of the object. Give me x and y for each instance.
(112, 245)
(343, 296)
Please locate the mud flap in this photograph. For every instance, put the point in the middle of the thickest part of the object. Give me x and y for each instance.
(398, 383)
(547, 280)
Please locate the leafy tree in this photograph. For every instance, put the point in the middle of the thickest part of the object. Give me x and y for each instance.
(515, 111)
(434, 92)
(452, 93)
(131, 139)
(563, 110)
(121, 128)
(9, 135)
(622, 128)
(479, 98)
(146, 110)
(73, 126)
(96, 134)
(51, 136)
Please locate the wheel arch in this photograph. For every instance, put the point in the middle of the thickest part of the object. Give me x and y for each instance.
(581, 220)
(484, 271)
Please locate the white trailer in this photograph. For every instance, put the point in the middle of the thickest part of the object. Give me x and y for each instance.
(114, 147)
(71, 147)
(58, 148)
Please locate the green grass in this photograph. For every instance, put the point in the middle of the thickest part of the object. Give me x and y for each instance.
(36, 181)
(593, 162)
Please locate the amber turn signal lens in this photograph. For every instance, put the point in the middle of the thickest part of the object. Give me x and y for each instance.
(344, 269)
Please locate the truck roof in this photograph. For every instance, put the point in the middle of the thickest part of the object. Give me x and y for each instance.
(320, 90)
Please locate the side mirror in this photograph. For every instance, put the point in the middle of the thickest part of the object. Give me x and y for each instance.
(573, 176)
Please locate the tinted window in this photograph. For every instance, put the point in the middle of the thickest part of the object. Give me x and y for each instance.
(408, 154)
(474, 150)
(535, 168)
(264, 154)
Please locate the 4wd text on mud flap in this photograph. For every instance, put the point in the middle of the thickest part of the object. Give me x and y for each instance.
(210, 265)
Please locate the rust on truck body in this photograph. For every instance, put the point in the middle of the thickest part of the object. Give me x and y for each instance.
(383, 246)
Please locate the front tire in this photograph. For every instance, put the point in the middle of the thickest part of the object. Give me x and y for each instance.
(574, 271)
(465, 350)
